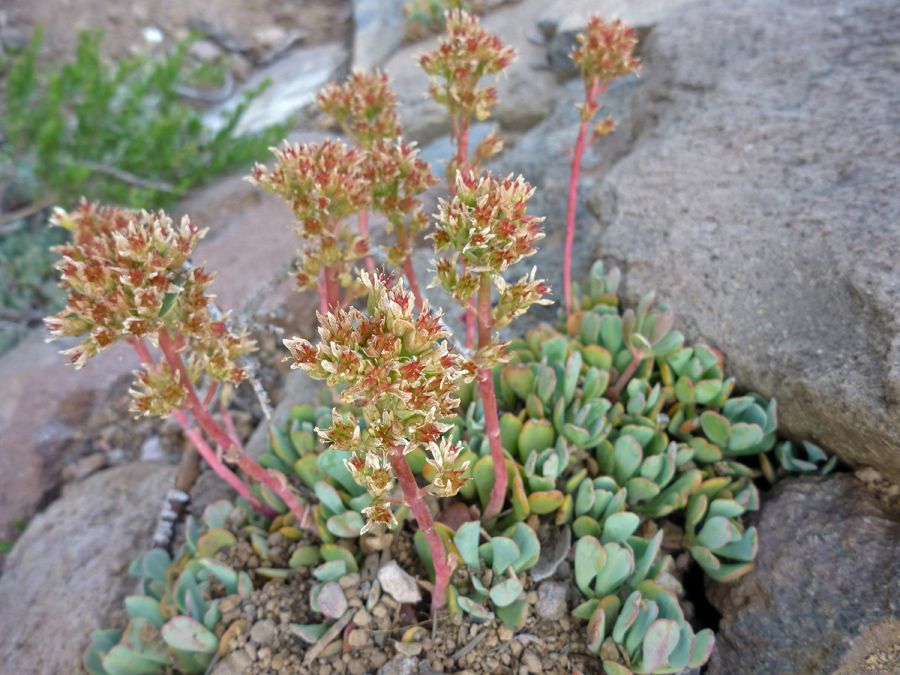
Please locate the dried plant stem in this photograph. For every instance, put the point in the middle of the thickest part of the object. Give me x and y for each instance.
(596, 89)
(426, 524)
(489, 402)
(363, 218)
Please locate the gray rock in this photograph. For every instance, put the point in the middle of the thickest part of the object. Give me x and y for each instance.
(761, 200)
(295, 79)
(67, 575)
(526, 91)
(561, 21)
(827, 572)
(378, 31)
(551, 603)
(264, 632)
(398, 583)
(237, 662)
(400, 665)
(152, 450)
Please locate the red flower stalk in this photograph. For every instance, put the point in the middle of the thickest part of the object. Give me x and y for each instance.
(486, 229)
(467, 54)
(604, 54)
(404, 380)
(128, 279)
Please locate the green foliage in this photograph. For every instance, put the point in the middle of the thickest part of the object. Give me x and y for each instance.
(84, 126)
(424, 17)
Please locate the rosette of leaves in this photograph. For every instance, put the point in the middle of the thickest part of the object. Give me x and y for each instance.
(646, 631)
(494, 568)
(805, 457)
(643, 460)
(171, 623)
(714, 533)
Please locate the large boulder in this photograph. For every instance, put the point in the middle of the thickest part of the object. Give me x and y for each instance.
(67, 574)
(823, 594)
(761, 201)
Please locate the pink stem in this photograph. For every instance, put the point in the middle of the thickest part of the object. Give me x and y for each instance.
(253, 469)
(332, 289)
(196, 438)
(226, 474)
(615, 392)
(580, 145)
(488, 400)
(208, 423)
(413, 282)
(364, 231)
(210, 394)
(426, 524)
(323, 296)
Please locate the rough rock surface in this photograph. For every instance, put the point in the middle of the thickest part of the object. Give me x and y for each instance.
(827, 575)
(295, 79)
(378, 31)
(67, 575)
(761, 200)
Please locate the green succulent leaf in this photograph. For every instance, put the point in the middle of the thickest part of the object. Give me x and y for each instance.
(185, 634)
(347, 525)
(716, 427)
(466, 541)
(506, 592)
(309, 633)
(659, 642)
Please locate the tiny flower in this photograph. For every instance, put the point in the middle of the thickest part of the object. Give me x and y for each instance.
(445, 458)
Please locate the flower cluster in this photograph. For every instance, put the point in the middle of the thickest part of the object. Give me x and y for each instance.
(398, 373)
(364, 106)
(467, 54)
(487, 229)
(127, 277)
(322, 184)
(604, 53)
(397, 177)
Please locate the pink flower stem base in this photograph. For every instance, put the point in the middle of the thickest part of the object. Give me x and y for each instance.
(489, 402)
(594, 90)
(426, 524)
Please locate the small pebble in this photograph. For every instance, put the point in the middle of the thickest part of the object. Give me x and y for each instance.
(532, 661)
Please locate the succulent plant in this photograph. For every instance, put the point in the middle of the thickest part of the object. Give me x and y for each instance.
(293, 450)
(713, 532)
(171, 623)
(805, 457)
(646, 630)
(494, 567)
(650, 635)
